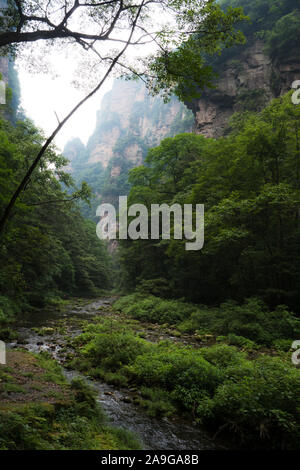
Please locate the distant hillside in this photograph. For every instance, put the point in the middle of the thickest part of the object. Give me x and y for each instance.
(129, 122)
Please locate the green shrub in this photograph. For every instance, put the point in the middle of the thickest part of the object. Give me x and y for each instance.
(168, 366)
(52, 370)
(7, 334)
(126, 439)
(116, 378)
(153, 309)
(259, 407)
(114, 350)
(7, 310)
(156, 402)
(159, 287)
(27, 429)
(83, 392)
(251, 321)
(282, 344)
(241, 342)
(75, 425)
(222, 355)
(189, 398)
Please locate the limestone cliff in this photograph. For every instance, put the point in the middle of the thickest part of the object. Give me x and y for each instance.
(75, 152)
(4, 61)
(130, 121)
(248, 81)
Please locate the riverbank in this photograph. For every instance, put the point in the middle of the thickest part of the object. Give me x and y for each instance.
(174, 386)
(55, 332)
(41, 410)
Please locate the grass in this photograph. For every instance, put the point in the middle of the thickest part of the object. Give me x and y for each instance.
(248, 391)
(252, 320)
(39, 410)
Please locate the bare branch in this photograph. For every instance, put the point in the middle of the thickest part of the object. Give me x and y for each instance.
(22, 185)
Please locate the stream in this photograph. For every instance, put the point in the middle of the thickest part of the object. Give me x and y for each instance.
(155, 434)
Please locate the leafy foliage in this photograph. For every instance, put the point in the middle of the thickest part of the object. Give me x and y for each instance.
(254, 402)
(249, 184)
(73, 421)
(251, 320)
(48, 247)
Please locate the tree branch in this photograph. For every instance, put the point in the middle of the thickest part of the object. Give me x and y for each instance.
(48, 142)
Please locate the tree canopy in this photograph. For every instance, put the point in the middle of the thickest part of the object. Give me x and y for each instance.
(49, 248)
(198, 27)
(249, 184)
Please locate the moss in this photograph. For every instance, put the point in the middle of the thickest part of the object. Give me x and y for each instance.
(51, 414)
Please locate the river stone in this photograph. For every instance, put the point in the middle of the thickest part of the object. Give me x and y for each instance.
(126, 400)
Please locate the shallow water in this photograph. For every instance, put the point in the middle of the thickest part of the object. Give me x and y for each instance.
(156, 434)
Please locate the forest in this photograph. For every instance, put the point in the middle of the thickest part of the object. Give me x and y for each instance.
(141, 344)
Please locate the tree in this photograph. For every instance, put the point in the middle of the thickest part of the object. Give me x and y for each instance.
(199, 27)
(49, 248)
(249, 184)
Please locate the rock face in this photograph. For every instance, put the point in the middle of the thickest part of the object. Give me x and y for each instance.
(75, 152)
(249, 80)
(130, 121)
(4, 62)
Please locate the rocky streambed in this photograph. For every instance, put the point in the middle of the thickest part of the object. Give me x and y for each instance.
(49, 330)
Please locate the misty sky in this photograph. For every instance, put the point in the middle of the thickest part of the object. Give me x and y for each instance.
(43, 95)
